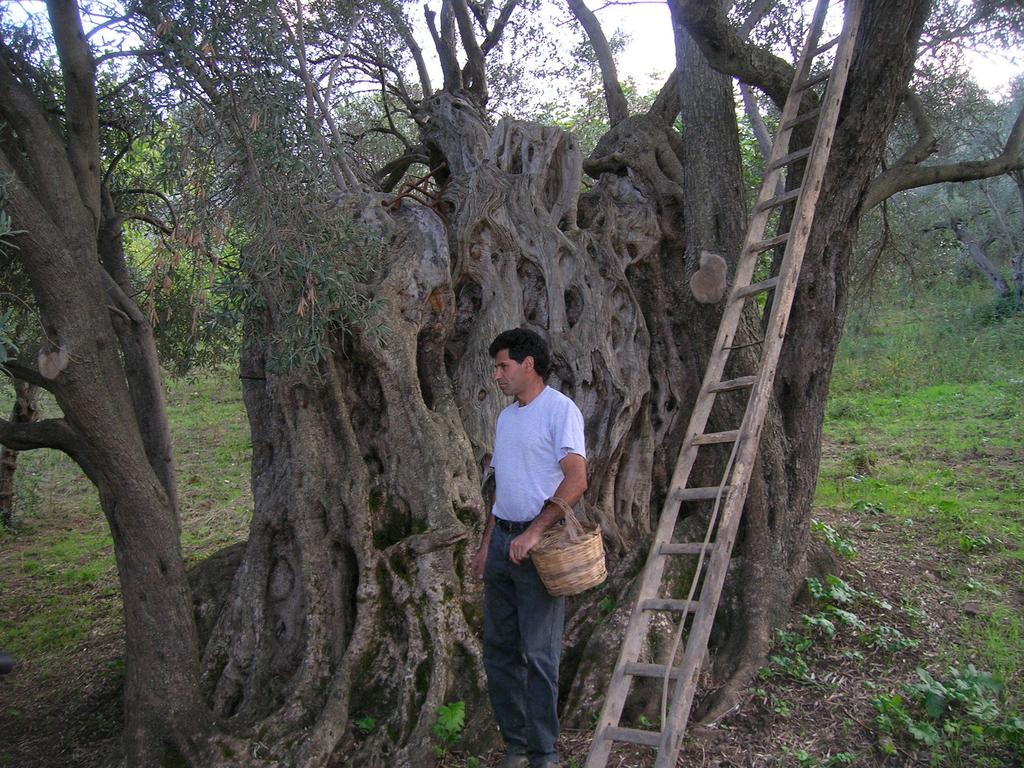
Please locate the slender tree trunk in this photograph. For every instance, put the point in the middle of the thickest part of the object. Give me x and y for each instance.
(164, 712)
(24, 411)
(1017, 264)
(138, 347)
(973, 250)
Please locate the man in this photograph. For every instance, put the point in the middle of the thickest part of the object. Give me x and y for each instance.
(539, 454)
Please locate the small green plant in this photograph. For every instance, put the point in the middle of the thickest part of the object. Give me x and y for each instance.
(473, 762)
(365, 725)
(889, 639)
(974, 585)
(840, 545)
(864, 460)
(953, 718)
(451, 719)
(836, 591)
(867, 508)
(787, 659)
(821, 623)
(606, 605)
(973, 542)
(781, 707)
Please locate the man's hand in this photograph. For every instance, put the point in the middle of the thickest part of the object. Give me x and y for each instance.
(479, 561)
(521, 545)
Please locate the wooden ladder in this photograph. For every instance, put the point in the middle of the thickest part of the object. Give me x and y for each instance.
(730, 494)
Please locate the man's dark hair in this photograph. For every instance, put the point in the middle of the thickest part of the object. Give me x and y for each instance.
(522, 343)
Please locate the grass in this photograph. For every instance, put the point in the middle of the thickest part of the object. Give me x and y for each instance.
(923, 426)
(58, 567)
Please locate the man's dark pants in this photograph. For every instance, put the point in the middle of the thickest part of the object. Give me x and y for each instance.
(522, 644)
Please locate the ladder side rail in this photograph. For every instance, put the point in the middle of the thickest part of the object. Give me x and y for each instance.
(711, 591)
(636, 630)
(803, 217)
(780, 146)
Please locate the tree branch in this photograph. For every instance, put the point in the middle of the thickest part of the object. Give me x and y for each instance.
(473, 73)
(393, 171)
(79, 72)
(335, 158)
(46, 433)
(907, 176)
(926, 143)
(410, 42)
(666, 105)
(52, 177)
(169, 229)
(726, 52)
(618, 108)
(445, 53)
(495, 33)
(18, 371)
(133, 53)
(151, 220)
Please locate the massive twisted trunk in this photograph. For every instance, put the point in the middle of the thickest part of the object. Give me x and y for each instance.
(367, 475)
(348, 602)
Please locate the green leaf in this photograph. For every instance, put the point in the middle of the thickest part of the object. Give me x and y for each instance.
(924, 732)
(934, 705)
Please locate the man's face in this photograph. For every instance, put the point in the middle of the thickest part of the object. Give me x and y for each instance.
(511, 377)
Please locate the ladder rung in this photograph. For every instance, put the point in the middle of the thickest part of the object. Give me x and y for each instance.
(750, 290)
(815, 80)
(633, 736)
(793, 194)
(686, 548)
(652, 670)
(799, 119)
(792, 157)
(713, 438)
(709, 493)
(668, 604)
(732, 384)
(825, 46)
(746, 345)
(771, 242)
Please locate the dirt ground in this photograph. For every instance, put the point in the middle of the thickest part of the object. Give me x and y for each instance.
(70, 717)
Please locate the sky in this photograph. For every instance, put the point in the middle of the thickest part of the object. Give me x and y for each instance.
(650, 47)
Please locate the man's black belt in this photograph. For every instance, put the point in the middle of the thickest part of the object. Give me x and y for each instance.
(510, 527)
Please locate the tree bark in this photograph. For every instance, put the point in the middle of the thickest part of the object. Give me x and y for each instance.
(24, 411)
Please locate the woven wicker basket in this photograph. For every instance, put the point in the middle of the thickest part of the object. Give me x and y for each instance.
(570, 558)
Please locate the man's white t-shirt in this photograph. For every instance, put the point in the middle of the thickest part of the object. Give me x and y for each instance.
(529, 443)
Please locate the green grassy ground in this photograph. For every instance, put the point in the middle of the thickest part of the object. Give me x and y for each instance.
(57, 567)
(924, 425)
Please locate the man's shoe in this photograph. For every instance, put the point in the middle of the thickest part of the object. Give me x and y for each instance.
(513, 760)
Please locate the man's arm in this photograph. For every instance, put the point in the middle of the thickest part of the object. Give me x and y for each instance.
(570, 490)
